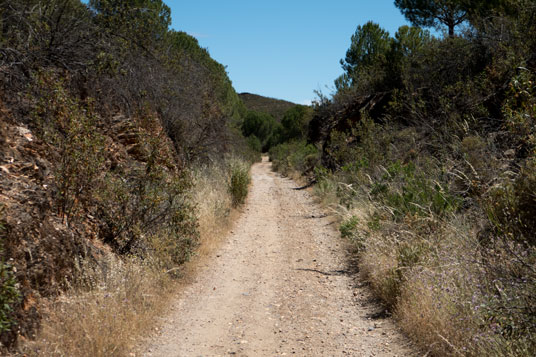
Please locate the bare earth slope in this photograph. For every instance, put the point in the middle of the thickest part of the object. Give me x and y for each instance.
(280, 285)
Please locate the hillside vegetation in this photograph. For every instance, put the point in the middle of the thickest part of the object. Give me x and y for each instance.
(120, 152)
(258, 103)
(427, 151)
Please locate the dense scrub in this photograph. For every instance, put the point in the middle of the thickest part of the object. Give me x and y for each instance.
(263, 131)
(105, 113)
(426, 149)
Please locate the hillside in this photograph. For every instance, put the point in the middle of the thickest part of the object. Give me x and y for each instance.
(107, 135)
(275, 107)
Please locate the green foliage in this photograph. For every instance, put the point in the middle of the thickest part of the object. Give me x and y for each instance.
(375, 61)
(69, 126)
(511, 204)
(408, 192)
(9, 292)
(121, 107)
(254, 143)
(366, 145)
(520, 110)
(368, 50)
(46, 32)
(295, 122)
(348, 226)
(257, 103)
(9, 296)
(410, 40)
(437, 135)
(349, 230)
(139, 22)
(450, 13)
(149, 215)
(294, 156)
(263, 126)
(122, 54)
(238, 182)
(246, 149)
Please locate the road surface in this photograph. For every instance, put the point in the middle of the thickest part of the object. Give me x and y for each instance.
(281, 284)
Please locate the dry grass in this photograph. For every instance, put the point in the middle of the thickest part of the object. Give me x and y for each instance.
(431, 273)
(110, 307)
(436, 302)
(325, 191)
(214, 205)
(114, 304)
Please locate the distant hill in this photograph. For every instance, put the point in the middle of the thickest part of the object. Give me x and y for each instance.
(275, 107)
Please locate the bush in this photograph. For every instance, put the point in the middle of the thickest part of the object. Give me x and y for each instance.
(294, 156)
(511, 207)
(406, 191)
(433, 149)
(9, 293)
(238, 182)
(349, 230)
(263, 126)
(9, 296)
(146, 210)
(254, 143)
(69, 127)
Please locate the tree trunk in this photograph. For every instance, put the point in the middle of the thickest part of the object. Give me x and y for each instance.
(451, 30)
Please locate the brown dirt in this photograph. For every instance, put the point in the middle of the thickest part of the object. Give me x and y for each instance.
(281, 284)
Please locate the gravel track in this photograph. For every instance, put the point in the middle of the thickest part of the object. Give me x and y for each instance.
(281, 284)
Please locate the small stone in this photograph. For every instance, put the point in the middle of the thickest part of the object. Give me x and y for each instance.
(510, 153)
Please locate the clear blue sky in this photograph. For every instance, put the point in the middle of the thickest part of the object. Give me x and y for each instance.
(277, 48)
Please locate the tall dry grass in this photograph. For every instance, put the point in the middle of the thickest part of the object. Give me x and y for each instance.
(214, 203)
(106, 312)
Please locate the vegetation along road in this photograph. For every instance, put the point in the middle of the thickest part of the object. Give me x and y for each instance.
(280, 285)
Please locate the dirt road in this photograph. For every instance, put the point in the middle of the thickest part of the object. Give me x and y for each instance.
(280, 285)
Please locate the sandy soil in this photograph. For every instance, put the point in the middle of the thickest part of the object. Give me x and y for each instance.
(281, 284)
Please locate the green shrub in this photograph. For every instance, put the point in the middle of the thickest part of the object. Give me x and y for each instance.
(294, 156)
(254, 143)
(238, 182)
(247, 149)
(348, 227)
(520, 110)
(9, 293)
(263, 126)
(349, 230)
(145, 209)
(9, 296)
(408, 191)
(69, 127)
